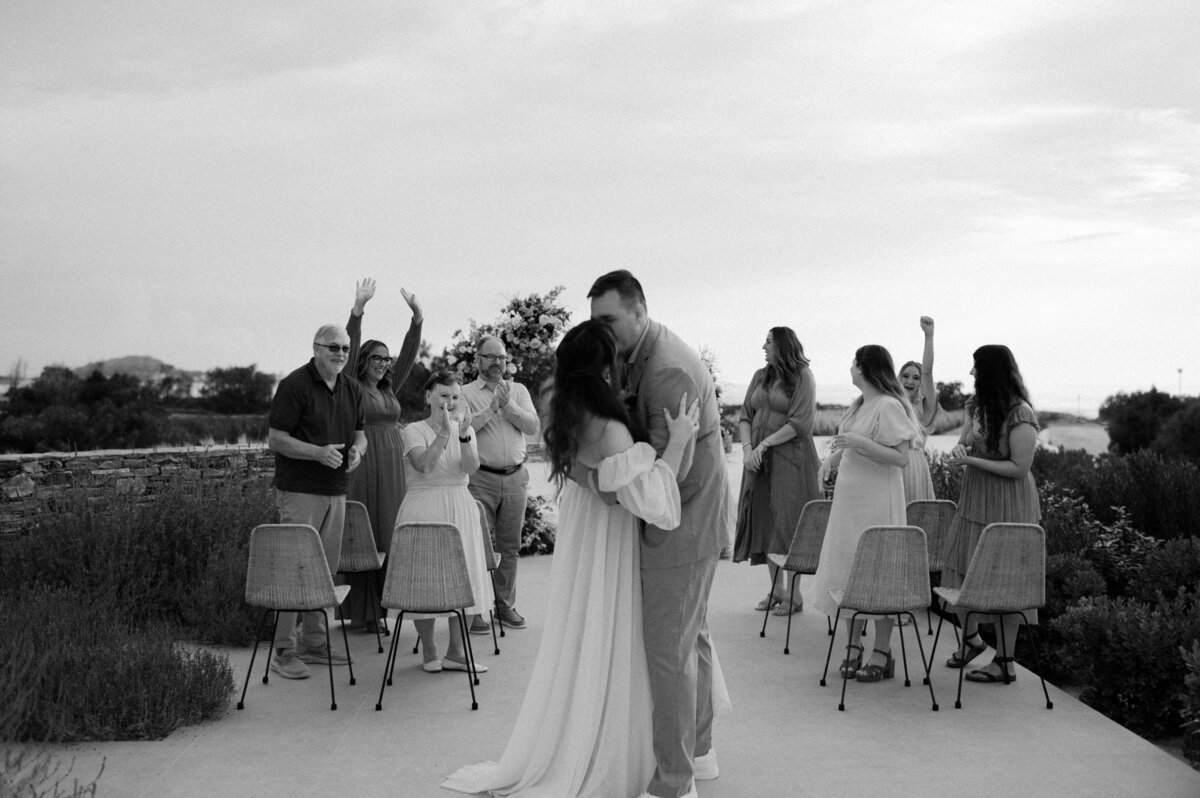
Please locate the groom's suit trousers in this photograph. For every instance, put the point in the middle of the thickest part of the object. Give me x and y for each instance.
(679, 654)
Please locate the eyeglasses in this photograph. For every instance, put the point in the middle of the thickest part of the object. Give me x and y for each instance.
(495, 358)
(334, 348)
(380, 360)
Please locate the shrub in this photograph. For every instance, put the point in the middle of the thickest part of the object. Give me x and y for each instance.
(1116, 550)
(1161, 496)
(99, 678)
(541, 521)
(1191, 704)
(1126, 654)
(1134, 419)
(1172, 570)
(177, 558)
(1179, 435)
(1068, 468)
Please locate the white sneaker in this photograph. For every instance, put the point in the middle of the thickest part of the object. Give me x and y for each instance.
(705, 767)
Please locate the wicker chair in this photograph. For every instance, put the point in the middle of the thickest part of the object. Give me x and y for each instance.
(427, 573)
(288, 572)
(889, 576)
(360, 555)
(1007, 576)
(802, 557)
(493, 562)
(934, 516)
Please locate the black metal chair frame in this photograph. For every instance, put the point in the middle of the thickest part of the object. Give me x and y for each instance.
(389, 667)
(1037, 655)
(903, 652)
(241, 704)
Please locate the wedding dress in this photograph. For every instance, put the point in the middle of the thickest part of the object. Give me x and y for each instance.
(584, 727)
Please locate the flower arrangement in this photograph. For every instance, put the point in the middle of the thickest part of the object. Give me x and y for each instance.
(529, 327)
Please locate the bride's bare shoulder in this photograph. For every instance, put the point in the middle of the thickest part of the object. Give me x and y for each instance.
(601, 438)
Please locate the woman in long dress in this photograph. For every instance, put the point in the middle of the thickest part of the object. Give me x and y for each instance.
(995, 452)
(917, 380)
(379, 482)
(584, 726)
(440, 453)
(779, 459)
(870, 451)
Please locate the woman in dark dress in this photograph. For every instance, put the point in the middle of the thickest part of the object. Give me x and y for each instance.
(379, 482)
(995, 452)
(779, 457)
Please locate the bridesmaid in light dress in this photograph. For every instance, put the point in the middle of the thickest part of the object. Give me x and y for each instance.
(917, 379)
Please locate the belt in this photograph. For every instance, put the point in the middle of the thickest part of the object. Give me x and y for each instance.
(504, 472)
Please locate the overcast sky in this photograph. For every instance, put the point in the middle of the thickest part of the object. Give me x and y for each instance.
(204, 182)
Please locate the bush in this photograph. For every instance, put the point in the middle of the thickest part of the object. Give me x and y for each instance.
(1068, 468)
(179, 558)
(99, 678)
(1161, 496)
(1127, 655)
(1191, 704)
(1179, 435)
(1171, 570)
(1116, 550)
(538, 533)
(1133, 420)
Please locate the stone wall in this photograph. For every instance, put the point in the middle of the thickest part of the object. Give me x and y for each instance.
(30, 482)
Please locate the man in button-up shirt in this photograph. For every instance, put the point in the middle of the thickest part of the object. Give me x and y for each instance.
(502, 415)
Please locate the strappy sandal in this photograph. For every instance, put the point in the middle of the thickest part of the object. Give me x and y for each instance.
(786, 608)
(988, 676)
(849, 667)
(769, 603)
(960, 659)
(874, 673)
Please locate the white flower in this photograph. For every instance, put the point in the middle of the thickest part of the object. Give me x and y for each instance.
(451, 360)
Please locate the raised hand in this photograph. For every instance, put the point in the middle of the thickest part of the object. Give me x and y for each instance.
(411, 299)
(927, 325)
(363, 291)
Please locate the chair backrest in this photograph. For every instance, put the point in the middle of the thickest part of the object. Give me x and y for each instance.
(489, 553)
(934, 516)
(427, 569)
(1007, 571)
(805, 550)
(358, 541)
(890, 572)
(287, 569)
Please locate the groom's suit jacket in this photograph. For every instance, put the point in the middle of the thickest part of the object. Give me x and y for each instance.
(664, 368)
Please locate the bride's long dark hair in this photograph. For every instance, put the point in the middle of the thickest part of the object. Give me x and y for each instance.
(584, 364)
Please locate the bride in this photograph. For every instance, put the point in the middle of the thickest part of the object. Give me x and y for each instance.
(584, 726)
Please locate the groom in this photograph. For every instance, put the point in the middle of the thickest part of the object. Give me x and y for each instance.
(677, 565)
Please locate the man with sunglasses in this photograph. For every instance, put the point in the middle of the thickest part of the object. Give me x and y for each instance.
(502, 414)
(316, 433)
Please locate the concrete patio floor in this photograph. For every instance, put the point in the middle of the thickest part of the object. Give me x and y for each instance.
(784, 735)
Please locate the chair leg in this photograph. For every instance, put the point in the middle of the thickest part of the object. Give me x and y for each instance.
(495, 640)
(329, 654)
(472, 676)
(346, 643)
(787, 640)
(267, 664)
(774, 575)
(392, 668)
(389, 665)
(958, 698)
(829, 653)
(499, 619)
(241, 704)
(903, 651)
(927, 664)
(849, 641)
(372, 580)
(1037, 658)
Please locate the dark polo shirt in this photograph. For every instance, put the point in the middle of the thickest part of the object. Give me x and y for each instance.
(305, 408)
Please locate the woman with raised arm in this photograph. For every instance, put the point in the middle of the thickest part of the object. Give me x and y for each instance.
(584, 726)
(995, 452)
(379, 481)
(917, 379)
(870, 451)
(440, 454)
(779, 460)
